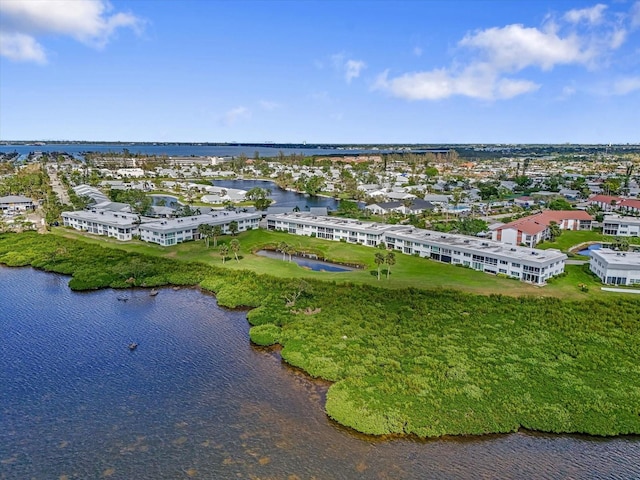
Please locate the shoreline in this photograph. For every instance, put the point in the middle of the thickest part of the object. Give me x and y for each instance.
(338, 324)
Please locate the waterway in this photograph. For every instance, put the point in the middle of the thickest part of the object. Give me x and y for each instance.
(173, 150)
(315, 265)
(197, 400)
(281, 197)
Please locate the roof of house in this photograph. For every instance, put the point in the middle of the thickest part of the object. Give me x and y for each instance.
(534, 224)
(15, 199)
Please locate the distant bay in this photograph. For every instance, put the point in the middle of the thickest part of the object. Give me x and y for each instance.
(182, 150)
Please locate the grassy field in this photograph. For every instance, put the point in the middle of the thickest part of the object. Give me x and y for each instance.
(571, 238)
(422, 361)
(408, 272)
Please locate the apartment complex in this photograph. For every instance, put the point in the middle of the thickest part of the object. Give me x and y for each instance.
(165, 232)
(168, 232)
(616, 268)
(621, 226)
(119, 225)
(526, 264)
(534, 229)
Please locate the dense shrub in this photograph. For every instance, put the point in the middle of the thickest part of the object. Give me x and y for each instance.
(423, 362)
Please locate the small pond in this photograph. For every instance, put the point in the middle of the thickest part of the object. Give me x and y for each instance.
(587, 251)
(315, 265)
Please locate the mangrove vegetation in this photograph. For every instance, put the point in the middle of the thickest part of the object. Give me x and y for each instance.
(417, 361)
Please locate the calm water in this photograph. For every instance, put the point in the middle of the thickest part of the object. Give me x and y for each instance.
(180, 150)
(315, 265)
(587, 251)
(197, 400)
(283, 198)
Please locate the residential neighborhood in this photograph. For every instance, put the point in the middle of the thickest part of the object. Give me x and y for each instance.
(432, 204)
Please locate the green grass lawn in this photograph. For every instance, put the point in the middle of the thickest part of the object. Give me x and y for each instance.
(408, 272)
(571, 238)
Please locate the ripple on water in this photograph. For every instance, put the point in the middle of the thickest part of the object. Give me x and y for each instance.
(195, 399)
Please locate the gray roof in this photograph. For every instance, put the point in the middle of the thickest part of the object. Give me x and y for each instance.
(15, 199)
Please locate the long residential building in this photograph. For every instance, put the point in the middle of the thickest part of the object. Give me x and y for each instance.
(103, 222)
(526, 264)
(616, 268)
(167, 232)
(621, 226)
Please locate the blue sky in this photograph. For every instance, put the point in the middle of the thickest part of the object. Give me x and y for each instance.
(322, 72)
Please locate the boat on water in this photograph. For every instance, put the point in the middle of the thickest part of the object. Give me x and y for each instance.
(133, 346)
(153, 292)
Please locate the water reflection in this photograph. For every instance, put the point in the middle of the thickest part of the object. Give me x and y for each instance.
(315, 265)
(196, 400)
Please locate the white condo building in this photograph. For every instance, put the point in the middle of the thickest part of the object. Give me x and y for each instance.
(616, 268)
(167, 232)
(621, 226)
(527, 264)
(103, 222)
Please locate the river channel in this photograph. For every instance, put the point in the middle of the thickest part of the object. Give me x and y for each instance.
(197, 400)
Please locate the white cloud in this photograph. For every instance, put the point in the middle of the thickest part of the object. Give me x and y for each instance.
(21, 48)
(348, 67)
(591, 15)
(353, 69)
(91, 22)
(235, 115)
(515, 47)
(583, 37)
(635, 15)
(269, 105)
(478, 81)
(626, 85)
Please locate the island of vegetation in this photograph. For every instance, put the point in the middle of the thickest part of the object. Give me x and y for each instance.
(403, 360)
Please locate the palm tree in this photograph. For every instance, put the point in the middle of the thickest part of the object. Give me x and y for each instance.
(216, 231)
(290, 250)
(390, 260)
(554, 230)
(233, 227)
(205, 230)
(379, 259)
(283, 246)
(235, 247)
(224, 250)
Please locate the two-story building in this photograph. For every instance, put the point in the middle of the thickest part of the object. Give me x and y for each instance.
(119, 225)
(526, 264)
(621, 226)
(171, 231)
(616, 268)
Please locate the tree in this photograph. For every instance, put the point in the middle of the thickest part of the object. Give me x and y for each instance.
(259, 197)
(560, 204)
(621, 244)
(235, 248)
(216, 231)
(379, 259)
(283, 247)
(290, 250)
(205, 230)
(390, 260)
(233, 227)
(224, 250)
(554, 230)
(296, 288)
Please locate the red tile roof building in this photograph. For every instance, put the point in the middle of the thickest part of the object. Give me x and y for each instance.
(533, 229)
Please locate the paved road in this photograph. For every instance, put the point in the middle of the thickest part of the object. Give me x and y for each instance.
(58, 187)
